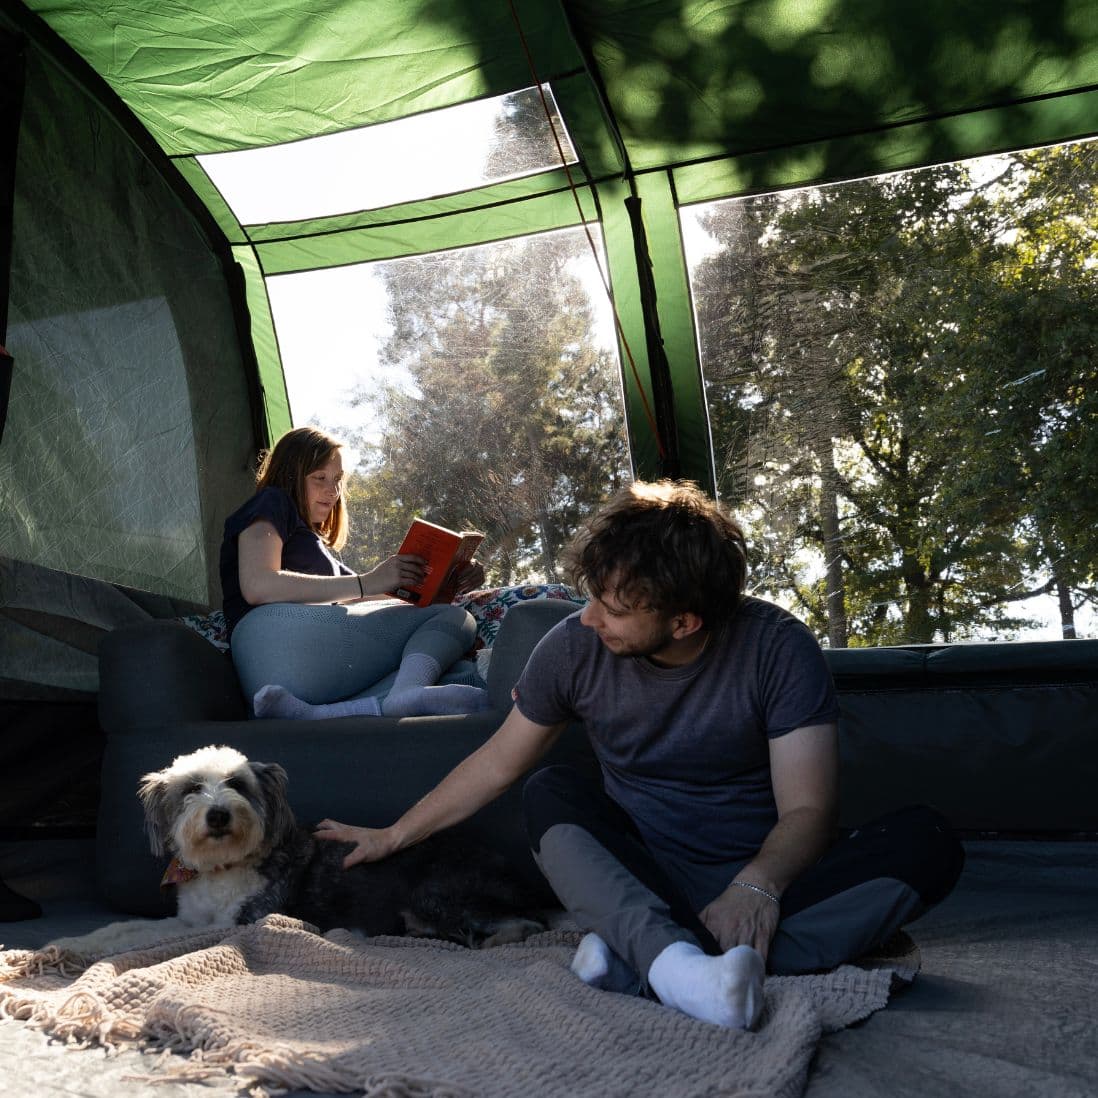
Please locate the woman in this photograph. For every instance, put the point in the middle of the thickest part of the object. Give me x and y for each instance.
(309, 637)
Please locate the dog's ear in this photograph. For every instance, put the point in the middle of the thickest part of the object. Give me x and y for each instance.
(273, 781)
(153, 792)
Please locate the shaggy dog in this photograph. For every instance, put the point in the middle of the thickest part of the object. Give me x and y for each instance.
(238, 854)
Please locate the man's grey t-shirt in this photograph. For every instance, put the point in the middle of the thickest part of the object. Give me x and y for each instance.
(684, 750)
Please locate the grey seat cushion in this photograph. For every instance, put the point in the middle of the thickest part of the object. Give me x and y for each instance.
(166, 692)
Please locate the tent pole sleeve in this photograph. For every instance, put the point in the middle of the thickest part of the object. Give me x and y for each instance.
(672, 306)
(583, 48)
(657, 322)
(636, 385)
(272, 398)
(663, 398)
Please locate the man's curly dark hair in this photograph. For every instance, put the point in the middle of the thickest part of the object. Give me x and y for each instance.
(666, 546)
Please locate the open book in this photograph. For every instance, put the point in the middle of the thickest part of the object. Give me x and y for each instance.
(445, 552)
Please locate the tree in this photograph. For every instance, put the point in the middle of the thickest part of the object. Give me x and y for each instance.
(862, 347)
(524, 141)
(502, 414)
(1044, 332)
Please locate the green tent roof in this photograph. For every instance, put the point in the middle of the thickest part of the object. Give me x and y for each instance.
(668, 101)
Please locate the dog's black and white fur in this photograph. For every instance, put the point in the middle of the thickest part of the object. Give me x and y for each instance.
(227, 821)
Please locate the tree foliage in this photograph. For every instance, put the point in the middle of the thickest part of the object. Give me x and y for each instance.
(500, 414)
(901, 379)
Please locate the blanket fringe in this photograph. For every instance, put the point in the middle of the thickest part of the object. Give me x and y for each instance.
(276, 1070)
(83, 1020)
(80, 1020)
(186, 1030)
(20, 964)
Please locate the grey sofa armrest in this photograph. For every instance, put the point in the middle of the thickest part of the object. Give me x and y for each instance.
(519, 632)
(160, 672)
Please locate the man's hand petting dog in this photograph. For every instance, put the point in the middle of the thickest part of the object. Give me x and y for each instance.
(371, 844)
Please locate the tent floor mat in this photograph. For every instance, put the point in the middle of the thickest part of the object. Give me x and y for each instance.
(999, 1007)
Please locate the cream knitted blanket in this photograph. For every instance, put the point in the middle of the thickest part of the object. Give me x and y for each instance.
(279, 1006)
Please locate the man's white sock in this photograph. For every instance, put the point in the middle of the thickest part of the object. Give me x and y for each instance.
(597, 965)
(726, 990)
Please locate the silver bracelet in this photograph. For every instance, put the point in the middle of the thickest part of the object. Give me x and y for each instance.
(760, 891)
(361, 593)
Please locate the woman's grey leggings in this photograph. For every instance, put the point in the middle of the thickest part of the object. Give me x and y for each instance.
(329, 653)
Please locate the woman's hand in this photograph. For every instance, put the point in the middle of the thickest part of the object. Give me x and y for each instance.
(470, 576)
(402, 570)
(740, 916)
(371, 843)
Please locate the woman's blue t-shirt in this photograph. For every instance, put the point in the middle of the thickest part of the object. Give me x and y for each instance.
(303, 550)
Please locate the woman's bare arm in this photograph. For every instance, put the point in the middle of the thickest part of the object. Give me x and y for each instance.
(263, 579)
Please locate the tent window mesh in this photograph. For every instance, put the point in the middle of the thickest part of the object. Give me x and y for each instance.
(439, 152)
(904, 397)
(476, 388)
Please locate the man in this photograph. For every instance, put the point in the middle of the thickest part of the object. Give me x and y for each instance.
(708, 854)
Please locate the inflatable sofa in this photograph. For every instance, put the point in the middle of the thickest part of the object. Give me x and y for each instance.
(1003, 738)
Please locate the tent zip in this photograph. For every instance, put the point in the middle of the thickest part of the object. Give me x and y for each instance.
(13, 67)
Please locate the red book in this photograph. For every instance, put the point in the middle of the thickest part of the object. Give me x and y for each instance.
(445, 551)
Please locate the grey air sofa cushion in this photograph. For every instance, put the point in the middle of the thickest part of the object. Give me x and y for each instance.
(166, 691)
(1000, 737)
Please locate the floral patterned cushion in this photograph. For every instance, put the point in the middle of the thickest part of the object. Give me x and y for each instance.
(489, 607)
(212, 626)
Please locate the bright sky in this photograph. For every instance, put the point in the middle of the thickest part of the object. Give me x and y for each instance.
(330, 325)
(424, 155)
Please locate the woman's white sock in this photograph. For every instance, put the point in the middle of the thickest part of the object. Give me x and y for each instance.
(726, 990)
(275, 701)
(433, 701)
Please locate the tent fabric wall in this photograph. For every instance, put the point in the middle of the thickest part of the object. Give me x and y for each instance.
(728, 98)
(129, 430)
(671, 101)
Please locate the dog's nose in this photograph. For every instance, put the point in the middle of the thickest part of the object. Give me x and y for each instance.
(217, 819)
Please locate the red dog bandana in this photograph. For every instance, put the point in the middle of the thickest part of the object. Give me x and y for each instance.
(177, 873)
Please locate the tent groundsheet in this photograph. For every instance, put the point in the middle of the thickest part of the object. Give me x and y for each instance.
(1003, 1004)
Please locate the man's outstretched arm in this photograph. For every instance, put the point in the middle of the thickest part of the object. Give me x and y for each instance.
(804, 770)
(472, 784)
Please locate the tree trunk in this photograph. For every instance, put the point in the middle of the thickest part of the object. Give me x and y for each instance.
(833, 557)
(918, 620)
(540, 502)
(548, 547)
(1067, 609)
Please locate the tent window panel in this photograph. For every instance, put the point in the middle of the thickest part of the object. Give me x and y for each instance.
(476, 388)
(904, 398)
(128, 432)
(439, 152)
